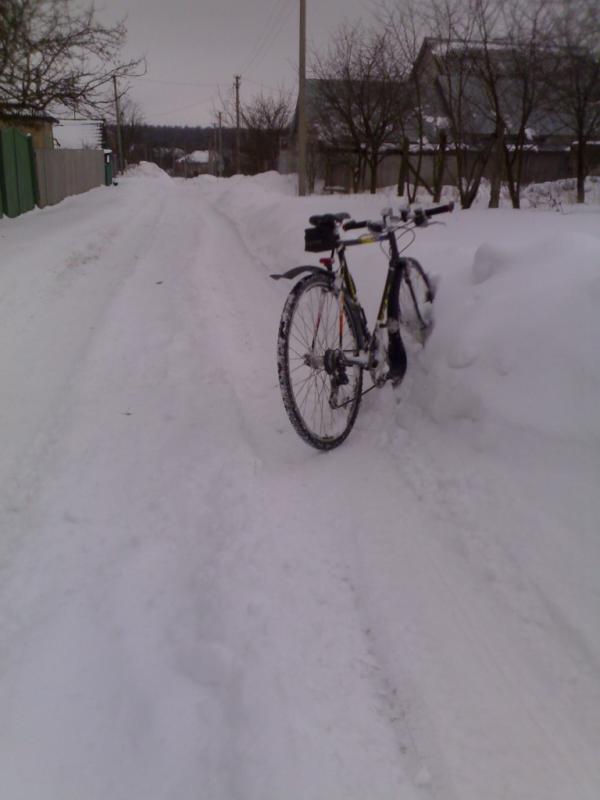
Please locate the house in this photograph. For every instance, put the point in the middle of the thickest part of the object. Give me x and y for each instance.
(79, 134)
(455, 92)
(199, 162)
(445, 138)
(332, 154)
(38, 125)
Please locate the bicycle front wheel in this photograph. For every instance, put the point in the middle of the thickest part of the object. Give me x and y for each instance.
(321, 396)
(416, 301)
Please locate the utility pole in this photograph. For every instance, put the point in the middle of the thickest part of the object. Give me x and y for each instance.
(302, 103)
(215, 144)
(237, 123)
(220, 146)
(120, 159)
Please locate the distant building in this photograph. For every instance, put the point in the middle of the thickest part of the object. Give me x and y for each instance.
(38, 125)
(199, 162)
(547, 153)
(78, 134)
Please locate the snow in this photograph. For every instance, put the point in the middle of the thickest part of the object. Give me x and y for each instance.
(195, 604)
(197, 157)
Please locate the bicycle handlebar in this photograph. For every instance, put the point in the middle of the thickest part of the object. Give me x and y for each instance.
(417, 215)
(420, 215)
(353, 224)
(431, 212)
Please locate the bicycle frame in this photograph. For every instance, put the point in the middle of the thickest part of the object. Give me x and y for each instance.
(388, 315)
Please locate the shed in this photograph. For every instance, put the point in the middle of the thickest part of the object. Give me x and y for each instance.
(38, 125)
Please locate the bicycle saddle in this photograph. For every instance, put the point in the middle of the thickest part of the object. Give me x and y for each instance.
(328, 220)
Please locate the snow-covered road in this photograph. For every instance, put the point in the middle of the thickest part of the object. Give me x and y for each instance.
(193, 604)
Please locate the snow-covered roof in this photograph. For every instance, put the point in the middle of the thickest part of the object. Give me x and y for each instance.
(9, 112)
(198, 157)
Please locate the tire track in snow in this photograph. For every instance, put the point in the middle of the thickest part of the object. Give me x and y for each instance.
(113, 631)
(48, 337)
(326, 478)
(253, 375)
(455, 601)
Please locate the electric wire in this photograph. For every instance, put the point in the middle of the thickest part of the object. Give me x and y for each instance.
(277, 17)
(181, 83)
(272, 16)
(278, 21)
(183, 108)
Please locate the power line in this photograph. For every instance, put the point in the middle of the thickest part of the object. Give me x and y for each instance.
(180, 83)
(271, 33)
(262, 84)
(278, 16)
(275, 33)
(184, 108)
(204, 85)
(275, 8)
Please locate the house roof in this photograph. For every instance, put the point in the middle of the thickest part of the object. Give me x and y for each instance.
(440, 67)
(314, 86)
(26, 115)
(452, 77)
(196, 157)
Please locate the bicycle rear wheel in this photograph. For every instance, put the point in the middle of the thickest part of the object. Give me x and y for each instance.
(416, 301)
(322, 402)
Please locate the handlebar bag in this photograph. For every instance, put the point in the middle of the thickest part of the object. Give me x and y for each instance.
(320, 238)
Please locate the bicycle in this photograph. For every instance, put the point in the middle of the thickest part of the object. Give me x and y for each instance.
(324, 344)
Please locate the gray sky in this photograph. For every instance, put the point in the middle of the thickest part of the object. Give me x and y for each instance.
(207, 42)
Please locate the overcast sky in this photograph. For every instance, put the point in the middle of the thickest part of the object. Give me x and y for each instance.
(207, 42)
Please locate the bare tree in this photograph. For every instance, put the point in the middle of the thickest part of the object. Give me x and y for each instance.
(55, 54)
(575, 92)
(358, 94)
(132, 130)
(491, 61)
(512, 60)
(451, 72)
(418, 121)
(265, 118)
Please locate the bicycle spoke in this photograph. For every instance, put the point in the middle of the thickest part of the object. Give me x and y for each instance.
(312, 329)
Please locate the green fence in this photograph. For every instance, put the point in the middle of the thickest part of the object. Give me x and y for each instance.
(17, 173)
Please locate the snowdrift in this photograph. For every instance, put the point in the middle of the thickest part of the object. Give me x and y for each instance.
(516, 338)
(517, 328)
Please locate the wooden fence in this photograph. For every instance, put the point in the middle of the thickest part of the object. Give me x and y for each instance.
(537, 168)
(62, 173)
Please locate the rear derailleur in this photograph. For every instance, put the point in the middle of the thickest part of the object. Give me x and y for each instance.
(333, 362)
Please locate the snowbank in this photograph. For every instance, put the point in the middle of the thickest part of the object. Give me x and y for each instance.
(517, 326)
(516, 338)
(558, 196)
(147, 169)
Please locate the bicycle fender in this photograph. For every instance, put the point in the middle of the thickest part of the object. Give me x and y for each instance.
(293, 273)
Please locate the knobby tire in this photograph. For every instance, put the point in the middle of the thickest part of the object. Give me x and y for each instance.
(310, 324)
